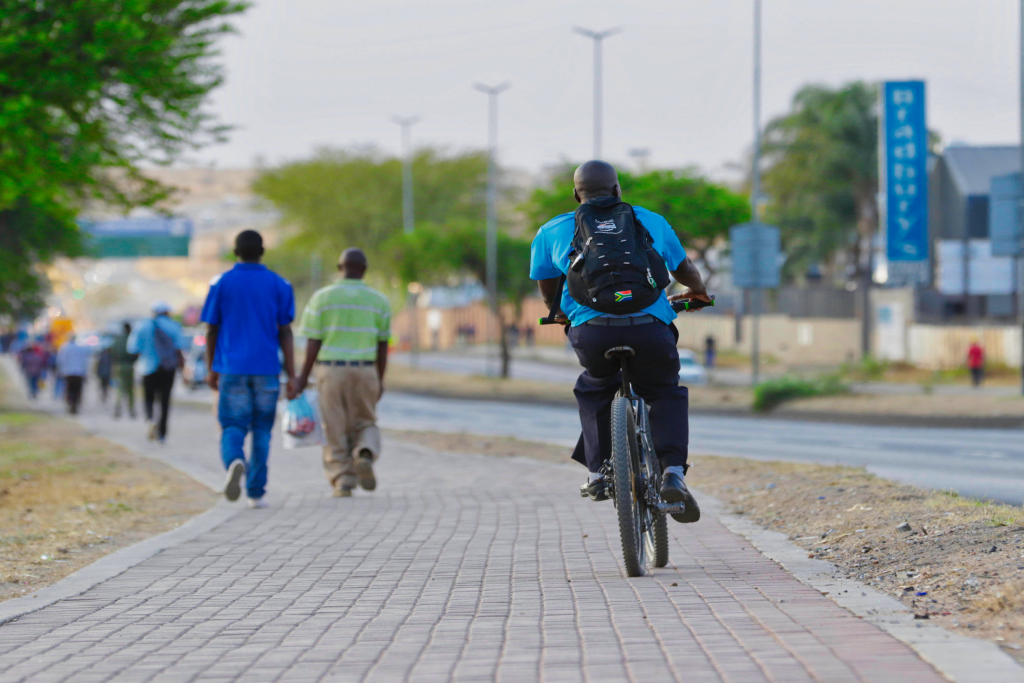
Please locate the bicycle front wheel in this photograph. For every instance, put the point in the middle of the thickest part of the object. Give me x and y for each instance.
(627, 502)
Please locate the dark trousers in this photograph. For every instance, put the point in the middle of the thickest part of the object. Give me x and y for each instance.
(73, 392)
(655, 378)
(159, 384)
(977, 375)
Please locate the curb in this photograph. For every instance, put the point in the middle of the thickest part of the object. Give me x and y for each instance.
(959, 658)
(116, 563)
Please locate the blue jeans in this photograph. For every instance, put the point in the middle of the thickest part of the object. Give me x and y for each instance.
(248, 402)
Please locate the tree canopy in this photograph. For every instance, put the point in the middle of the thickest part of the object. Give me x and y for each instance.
(343, 198)
(89, 90)
(701, 212)
(435, 254)
(822, 174)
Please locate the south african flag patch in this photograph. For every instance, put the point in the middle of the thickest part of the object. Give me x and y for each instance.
(625, 295)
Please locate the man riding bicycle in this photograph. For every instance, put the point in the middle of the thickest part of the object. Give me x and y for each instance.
(650, 332)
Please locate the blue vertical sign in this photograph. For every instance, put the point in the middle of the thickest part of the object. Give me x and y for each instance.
(905, 157)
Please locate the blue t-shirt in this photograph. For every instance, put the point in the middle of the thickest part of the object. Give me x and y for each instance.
(248, 303)
(549, 258)
(141, 341)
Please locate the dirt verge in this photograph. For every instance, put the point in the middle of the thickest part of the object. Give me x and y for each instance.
(67, 499)
(951, 559)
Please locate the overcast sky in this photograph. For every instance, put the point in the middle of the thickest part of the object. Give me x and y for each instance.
(304, 73)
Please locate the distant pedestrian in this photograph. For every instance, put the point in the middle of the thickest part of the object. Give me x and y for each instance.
(124, 372)
(159, 342)
(976, 362)
(347, 326)
(72, 367)
(248, 313)
(104, 369)
(709, 352)
(34, 361)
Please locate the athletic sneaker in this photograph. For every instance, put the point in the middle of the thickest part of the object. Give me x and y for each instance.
(257, 503)
(364, 470)
(342, 492)
(233, 484)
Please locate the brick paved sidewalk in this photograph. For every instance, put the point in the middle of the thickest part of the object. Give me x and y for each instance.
(456, 568)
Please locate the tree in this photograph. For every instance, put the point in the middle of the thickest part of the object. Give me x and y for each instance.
(822, 176)
(342, 198)
(89, 91)
(435, 254)
(700, 211)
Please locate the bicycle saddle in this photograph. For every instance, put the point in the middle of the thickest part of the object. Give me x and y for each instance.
(619, 352)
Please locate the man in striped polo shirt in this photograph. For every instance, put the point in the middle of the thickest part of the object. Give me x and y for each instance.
(347, 325)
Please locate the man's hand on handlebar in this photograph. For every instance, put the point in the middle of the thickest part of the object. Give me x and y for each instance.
(700, 294)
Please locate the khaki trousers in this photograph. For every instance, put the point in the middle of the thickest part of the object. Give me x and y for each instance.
(348, 409)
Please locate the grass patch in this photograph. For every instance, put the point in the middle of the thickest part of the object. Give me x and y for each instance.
(774, 392)
(71, 498)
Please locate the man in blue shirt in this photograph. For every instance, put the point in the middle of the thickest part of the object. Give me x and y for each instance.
(650, 332)
(159, 342)
(248, 311)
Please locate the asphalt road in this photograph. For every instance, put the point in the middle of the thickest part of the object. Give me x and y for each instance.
(984, 463)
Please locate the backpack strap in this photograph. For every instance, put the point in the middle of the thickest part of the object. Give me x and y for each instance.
(555, 303)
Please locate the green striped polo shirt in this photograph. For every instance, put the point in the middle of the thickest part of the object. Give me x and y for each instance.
(349, 319)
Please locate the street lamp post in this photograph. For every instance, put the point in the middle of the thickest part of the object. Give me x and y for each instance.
(755, 196)
(492, 93)
(408, 217)
(598, 37)
(1020, 188)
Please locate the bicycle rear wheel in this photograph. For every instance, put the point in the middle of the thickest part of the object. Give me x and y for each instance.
(626, 495)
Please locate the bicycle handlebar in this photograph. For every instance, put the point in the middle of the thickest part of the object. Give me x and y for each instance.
(678, 306)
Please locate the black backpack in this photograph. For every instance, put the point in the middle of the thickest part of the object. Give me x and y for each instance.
(614, 267)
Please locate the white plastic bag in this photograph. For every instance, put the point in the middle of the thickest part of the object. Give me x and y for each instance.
(300, 421)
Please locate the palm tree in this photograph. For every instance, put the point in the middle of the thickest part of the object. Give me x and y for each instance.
(822, 177)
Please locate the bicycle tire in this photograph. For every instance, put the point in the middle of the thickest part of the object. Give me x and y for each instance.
(660, 541)
(625, 490)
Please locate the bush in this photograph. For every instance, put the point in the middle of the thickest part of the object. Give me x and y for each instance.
(774, 392)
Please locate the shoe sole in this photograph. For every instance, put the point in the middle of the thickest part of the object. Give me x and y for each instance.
(691, 513)
(342, 494)
(233, 487)
(364, 470)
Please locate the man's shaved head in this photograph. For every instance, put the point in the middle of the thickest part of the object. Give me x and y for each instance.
(595, 179)
(353, 263)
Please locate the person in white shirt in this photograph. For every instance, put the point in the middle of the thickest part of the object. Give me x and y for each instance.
(72, 367)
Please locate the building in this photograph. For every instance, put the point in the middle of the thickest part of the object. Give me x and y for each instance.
(959, 186)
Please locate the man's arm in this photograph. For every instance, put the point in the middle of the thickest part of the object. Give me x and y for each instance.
(312, 351)
(212, 378)
(548, 292)
(382, 363)
(688, 276)
(287, 342)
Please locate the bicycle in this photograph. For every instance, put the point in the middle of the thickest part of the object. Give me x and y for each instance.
(633, 472)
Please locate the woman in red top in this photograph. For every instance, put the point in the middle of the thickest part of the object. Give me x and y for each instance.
(976, 362)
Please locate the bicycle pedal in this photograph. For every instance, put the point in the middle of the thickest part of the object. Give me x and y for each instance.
(671, 508)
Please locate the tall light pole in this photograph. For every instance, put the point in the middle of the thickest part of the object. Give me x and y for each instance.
(407, 122)
(755, 197)
(598, 38)
(492, 93)
(1020, 188)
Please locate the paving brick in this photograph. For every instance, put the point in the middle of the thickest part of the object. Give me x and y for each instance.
(458, 568)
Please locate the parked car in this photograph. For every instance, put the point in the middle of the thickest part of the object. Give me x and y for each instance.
(690, 369)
